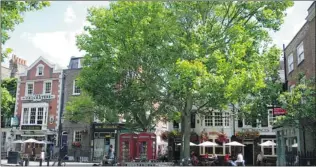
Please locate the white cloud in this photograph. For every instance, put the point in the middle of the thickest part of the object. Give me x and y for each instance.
(70, 15)
(59, 46)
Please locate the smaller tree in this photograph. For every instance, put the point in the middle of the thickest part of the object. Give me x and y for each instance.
(8, 92)
(84, 109)
(300, 105)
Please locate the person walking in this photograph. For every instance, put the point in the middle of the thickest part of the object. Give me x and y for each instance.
(260, 159)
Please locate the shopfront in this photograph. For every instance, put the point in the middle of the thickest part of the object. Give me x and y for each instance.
(104, 135)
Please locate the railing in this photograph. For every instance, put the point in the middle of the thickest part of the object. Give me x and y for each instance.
(307, 158)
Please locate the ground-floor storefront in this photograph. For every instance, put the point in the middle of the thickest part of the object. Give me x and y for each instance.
(252, 149)
(103, 136)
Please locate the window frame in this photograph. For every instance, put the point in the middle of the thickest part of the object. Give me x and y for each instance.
(300, 55)
(74, 88)
(27, 88)
(213, 148)
(26, 116)
(274, 153)
(37, 70)
(44, 87)
(75, 136)
(290, 64)
(212, 118)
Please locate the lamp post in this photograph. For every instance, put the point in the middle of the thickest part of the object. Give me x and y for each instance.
(60, 140)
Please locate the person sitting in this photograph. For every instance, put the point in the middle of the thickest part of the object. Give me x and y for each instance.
(240, 160)
(228, 161)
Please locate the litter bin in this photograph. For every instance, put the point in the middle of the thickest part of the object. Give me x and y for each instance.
(13, 157)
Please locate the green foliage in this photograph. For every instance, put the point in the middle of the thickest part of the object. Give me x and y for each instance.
(12, 15)
(8, 93)
(205, 54)
(83, 109)
(299, 104)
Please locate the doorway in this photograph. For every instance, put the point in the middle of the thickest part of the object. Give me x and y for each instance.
(248, 154)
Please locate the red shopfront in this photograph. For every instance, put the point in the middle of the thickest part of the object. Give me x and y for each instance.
(137, 146)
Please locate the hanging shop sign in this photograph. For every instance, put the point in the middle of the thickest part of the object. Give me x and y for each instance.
(38, 97)
(279, 111)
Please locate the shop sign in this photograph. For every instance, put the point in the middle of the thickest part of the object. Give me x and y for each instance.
(38, 97)
(256, 129)
(14, 121)
(279, 111)
(105, 127)
(31, 127)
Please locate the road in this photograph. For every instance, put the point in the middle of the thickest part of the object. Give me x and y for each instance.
(33, 163)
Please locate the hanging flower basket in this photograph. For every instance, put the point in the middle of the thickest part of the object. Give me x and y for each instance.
(248, 135)
(204, 136)
(222, 138)
(164, 136)
(76, 144)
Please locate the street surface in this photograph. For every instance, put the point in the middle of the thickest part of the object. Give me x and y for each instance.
(33, 163)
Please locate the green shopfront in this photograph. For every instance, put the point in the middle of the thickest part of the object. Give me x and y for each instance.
(287, 142)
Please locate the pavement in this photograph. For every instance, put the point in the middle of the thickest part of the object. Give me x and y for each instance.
(4, 162)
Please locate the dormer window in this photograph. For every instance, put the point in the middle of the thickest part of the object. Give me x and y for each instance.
(40, 70)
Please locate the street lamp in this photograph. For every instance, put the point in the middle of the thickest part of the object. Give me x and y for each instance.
(61, 121)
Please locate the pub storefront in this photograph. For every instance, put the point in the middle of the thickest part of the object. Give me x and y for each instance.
(104, 135)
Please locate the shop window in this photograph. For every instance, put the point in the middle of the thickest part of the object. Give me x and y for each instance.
(218, 150)
(268, 150)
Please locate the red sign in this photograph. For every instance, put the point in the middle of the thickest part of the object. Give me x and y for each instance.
(279, 111)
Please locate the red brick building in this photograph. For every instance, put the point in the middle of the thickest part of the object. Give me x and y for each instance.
(38, 101)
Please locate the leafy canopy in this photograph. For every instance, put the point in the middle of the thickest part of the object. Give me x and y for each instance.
(8, 93)
(205, 54)
(12, 14)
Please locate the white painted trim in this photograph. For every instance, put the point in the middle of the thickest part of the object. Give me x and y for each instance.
(297, 54)
(45, 61)
(59, 110)
(37, 70)
(273, 153)
(26, 88)
(73, 88)
(37, 80)
(44, 87)
(17, 94)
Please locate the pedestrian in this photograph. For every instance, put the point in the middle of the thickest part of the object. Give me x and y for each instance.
(111, 152)
(260, 159)
(240, 160)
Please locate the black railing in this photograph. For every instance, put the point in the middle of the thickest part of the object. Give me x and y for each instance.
(294, 158)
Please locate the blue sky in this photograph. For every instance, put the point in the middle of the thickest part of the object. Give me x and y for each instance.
(51, 32)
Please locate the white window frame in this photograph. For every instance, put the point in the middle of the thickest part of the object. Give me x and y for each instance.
(271, 118)
(74, 88)
(37, 106)
(213, 148)
(77, 138)
(27, 88)
(300, 55)
(274, 153)
(37, 70)
(44, 87)
(211, 119)
(290, 63)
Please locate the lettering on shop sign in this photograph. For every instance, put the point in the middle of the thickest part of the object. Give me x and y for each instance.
(38, 97)
(105, 127)
(31, 127)
(259, 130)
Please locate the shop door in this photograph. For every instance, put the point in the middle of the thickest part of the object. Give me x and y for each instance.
(98, 148)
(248, 154)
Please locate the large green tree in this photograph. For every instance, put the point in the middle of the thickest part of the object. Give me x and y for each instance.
(12, 14)
(202, 54)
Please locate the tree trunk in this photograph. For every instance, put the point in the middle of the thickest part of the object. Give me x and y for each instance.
(186, 126)
(182, 141)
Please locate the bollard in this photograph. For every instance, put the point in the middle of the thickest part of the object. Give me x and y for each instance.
(40, 162)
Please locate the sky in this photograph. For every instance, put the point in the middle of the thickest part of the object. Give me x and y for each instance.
(51, 32)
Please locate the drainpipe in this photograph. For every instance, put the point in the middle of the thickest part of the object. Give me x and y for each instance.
(60, 116)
